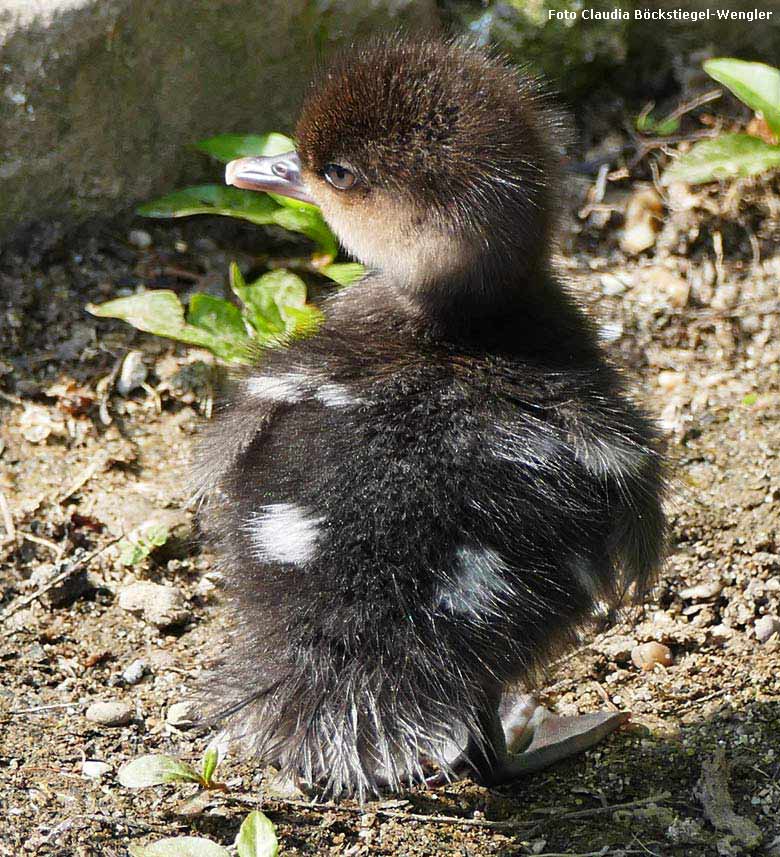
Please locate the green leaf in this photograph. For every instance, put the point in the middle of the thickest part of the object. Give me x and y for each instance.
(179, 846)
(729, 156)
(258, 208)
(154, 770)
(257, 837)
(210, 761)
(224, 322)
(750, 399)
(228, 147)
(754, 83)
(138, 546)
(217, 316)
(160, 312)
(307, 220)
(344, 273)
(275, 304)
(248, 205)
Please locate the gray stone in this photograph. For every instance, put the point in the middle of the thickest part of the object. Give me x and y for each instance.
(140, 238)
(113, 713)
(618, 647)
(181, 715)
(101, 99)
(703, 591)
(134, 672)
(94, 769)
(766, 626)
(161, 606)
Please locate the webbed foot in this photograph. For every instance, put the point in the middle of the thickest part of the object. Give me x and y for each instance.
(522, 736)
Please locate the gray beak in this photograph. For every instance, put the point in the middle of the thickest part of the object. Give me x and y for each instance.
(275, 174)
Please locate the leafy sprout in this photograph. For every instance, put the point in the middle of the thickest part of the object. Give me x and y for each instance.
(736, 155)
(156, 769)
(270, 310)
(256, 836)
(137, 547)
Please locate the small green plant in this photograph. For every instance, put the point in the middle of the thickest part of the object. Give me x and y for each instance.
(156, 769)
(646, 123)
(736, 155)
(137, 547)
(271, 309)
(256, 836)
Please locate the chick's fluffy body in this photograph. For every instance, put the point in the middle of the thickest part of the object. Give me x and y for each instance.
(421, 503)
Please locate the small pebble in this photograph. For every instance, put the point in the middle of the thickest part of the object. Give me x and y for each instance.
(161, 606)
(140, 238)
(611, 285)
(132, 374)
(766, 626)
(702, 591)
(94, 769)
(619, 647)
(721, 632)
(38, 423)
(668, 380)
(642, 221)
(668, 286)
(205, 245)
(181, 715)
(647, 655)
(134, 672)
(110, 713)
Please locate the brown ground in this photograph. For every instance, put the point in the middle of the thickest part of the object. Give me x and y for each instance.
(707, 364)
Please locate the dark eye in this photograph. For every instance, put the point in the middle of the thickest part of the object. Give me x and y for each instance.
(340, 177)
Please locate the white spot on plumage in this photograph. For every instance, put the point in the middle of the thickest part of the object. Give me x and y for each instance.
(614, 458)
(336, 396)
(284, 532)
(287, 387)
(531, 447)
(478, 583)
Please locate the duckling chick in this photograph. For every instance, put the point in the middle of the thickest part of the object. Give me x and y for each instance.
(422, 503)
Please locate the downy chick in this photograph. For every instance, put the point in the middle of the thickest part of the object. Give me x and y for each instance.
(422, 503)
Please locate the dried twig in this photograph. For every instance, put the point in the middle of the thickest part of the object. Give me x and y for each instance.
(699, 101)
(124, 821)
(8, 518)
(38, 708)
(39, 540)
(96, 465)
(450, 819)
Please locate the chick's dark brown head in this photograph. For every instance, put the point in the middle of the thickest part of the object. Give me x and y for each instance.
(430, 146)
(426, 154)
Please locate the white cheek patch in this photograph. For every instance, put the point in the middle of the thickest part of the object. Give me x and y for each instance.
(288, 387)
(479, 584)
(336, 396)
(284, 532)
